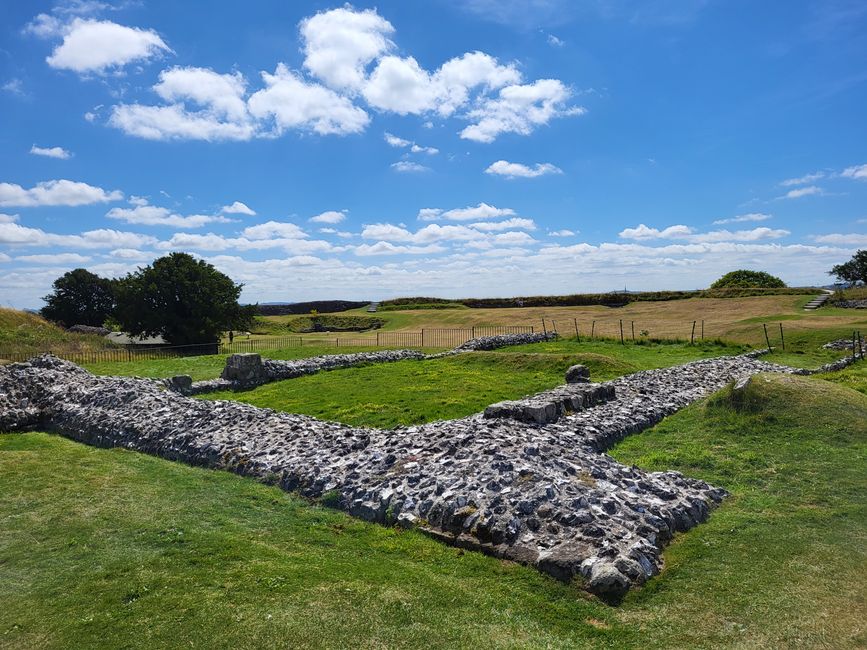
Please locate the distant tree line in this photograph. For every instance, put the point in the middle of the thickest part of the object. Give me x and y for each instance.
(177, 297)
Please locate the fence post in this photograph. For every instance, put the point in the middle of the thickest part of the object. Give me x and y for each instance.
(622, 342)
(473, 330)
(767, 338)
(422, 337)
(692, 336)
(782, 339)
(860, 349)
(577, 338)
(593, 330)
(702, 330)
(544, 329)
(633, 331)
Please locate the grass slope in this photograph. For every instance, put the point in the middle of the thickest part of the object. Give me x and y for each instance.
(134, 551)
(22, 333)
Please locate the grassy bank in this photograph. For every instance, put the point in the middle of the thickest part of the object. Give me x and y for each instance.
(134, 551)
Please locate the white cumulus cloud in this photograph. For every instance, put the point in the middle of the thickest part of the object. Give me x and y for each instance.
(858, 172)
(409, 167)
(329, 216)
(52, 193)
(51, 152)
(238, 208)
(518, 170)
(99, 45)
(742, 218)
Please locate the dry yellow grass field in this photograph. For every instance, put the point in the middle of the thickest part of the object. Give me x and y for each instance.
(733, 319)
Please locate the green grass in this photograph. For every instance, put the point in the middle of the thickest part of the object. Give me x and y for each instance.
(409, 392)
(206, 367)
(24, 333)
(412, 392)
(134, 551)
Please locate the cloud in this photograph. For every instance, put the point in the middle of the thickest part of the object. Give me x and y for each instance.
(238, 208)
(8, 218)
(51, 152)
(394, 141)
(100, 45)
(741, 218)
(206, 105)
(58, 192)
(274, 229)
(562, 233)
(294, 103)
(428, 150)
(406, 166)
(54, 258)
(553, 41)
(330, 216)
(508, 224)
(150, 215)
(811, 190)
(643, 232)
(480, 212)
(14, 87)
(131, 254)
(517, 170)
(339, 43)
(850, 239)
(386, 248)
(15, 234)
(858, 172)
(802, 180)
(221, 94)
(520, 109)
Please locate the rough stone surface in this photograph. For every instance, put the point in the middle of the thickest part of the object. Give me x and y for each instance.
(551, 405)
(88, 329)
(852, 304)
(577, 374)
(503, 340)
(544, 495)
(182, 384)
(245, 369)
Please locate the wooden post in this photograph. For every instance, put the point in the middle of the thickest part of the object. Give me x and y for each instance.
(422, 337)
(377, 339)
(702, 330)
(544, 329)
(853, 346)
(767, 338)
(692, 336)
(782, 339)
(592, 330)
(622, 342)
(860, 349)
(577, 338)
(554, 327)
(633, 331)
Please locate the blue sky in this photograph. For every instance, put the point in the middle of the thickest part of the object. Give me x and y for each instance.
(476, 148)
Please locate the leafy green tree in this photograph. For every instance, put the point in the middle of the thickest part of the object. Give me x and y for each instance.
(182, 299)
(80, 298)
(854, 271)
(745, 278)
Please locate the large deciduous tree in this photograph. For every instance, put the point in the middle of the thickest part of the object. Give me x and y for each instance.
(853, 271)
(182, 299)
(80, 298)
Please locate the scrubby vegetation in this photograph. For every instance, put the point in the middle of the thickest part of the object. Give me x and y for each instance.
(322, 306)
(748, 279)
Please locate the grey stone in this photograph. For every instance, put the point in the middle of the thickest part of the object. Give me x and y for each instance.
(577, 374)
(244, 368)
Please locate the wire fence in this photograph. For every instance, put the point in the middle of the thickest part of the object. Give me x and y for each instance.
(426, 338)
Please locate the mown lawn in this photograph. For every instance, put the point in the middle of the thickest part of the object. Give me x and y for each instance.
(412, 392)
(132, 551)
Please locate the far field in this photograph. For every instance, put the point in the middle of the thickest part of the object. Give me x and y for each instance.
(738, 320)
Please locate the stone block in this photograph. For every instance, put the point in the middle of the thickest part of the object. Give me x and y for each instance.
(245, 368)
(578, 374)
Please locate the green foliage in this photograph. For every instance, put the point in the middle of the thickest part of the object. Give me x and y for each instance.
(80, 297)
(746, 278)
(182, 299)
(854, 271)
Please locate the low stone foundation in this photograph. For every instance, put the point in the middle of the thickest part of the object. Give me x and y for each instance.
(541, 495)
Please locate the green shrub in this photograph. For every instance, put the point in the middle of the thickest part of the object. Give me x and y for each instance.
(746, 278)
